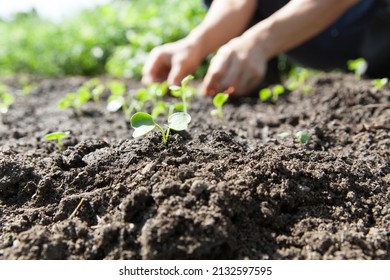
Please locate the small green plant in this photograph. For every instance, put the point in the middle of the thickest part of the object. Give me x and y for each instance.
(96, 89)
(271, 93)
(380, 83)
(184, 92)
(118, 99)
(302, 137)
(297, 79)
(6, 99)
(27, 88)
(143, 123)
(219, 100)
(75, 100)
(357, 66)
(57, 136)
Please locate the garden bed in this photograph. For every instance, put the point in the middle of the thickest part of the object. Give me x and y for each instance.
(217, 191)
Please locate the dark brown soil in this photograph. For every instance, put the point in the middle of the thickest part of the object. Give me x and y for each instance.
(232, 191)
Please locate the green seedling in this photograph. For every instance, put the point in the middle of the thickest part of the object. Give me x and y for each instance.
(75, 100)
(298, 80)
(380, 83)
(357, 66)
(117, 99)
(155, 94)
(184, 92)
(219, 100)
(96, 89)
(143, 123)
(271, 93)
(157, 90)
(27, 88)
(302, 137)
(6, 100)
(57, 136)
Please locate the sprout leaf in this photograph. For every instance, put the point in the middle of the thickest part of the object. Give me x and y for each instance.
(179, 121)
(142, 123)
(302, 137)
(220, 99)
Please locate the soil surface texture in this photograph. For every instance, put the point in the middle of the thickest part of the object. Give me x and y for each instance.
(232, 190)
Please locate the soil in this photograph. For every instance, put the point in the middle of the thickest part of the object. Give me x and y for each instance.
(236, 190)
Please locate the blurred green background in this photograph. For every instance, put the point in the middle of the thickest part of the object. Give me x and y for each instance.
(110, 39)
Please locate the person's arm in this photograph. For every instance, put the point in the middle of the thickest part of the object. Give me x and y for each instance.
(225, 20)
(241, 63)
(297, 22)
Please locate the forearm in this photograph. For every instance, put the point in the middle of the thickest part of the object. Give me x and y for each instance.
(225, 20)
(295, 23)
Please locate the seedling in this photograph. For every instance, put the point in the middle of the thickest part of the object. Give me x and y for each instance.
(96, 89)
(143, 123)
(6, 100)
(155, 93)
(117, 99)
(302, 137)
(380, 83)
(219, 100)
(184, 91)
(57, 136)
(271, 93)
(27, 88)
(358, 66)
(75, 100)
(298, 80)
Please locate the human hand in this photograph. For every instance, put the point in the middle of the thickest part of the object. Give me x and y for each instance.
(171, 62)
(237, 67)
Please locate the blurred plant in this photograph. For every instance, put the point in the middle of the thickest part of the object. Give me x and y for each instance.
(297, 79)
(75, 100)
(111, 37)
(380, 83)
(357, 66)
(6, 99)
(219, 100)
(302, 137)
(271, 93)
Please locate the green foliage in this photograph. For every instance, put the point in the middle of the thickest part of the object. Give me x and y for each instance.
(271, 93)
(57, 136)
(219, 100)
(114, 37)
(75, 100)
(358, 66)
(380, 83)
(143, 123)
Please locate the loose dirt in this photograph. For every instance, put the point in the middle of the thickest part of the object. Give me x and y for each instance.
(235, 190)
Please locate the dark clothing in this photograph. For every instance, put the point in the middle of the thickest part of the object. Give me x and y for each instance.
(362, 31)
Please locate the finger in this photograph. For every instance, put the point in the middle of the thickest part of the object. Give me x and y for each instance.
(178, 72)
(245, 84)
(155, 68)
(212, 80)
(233, 75)
(249, 79)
